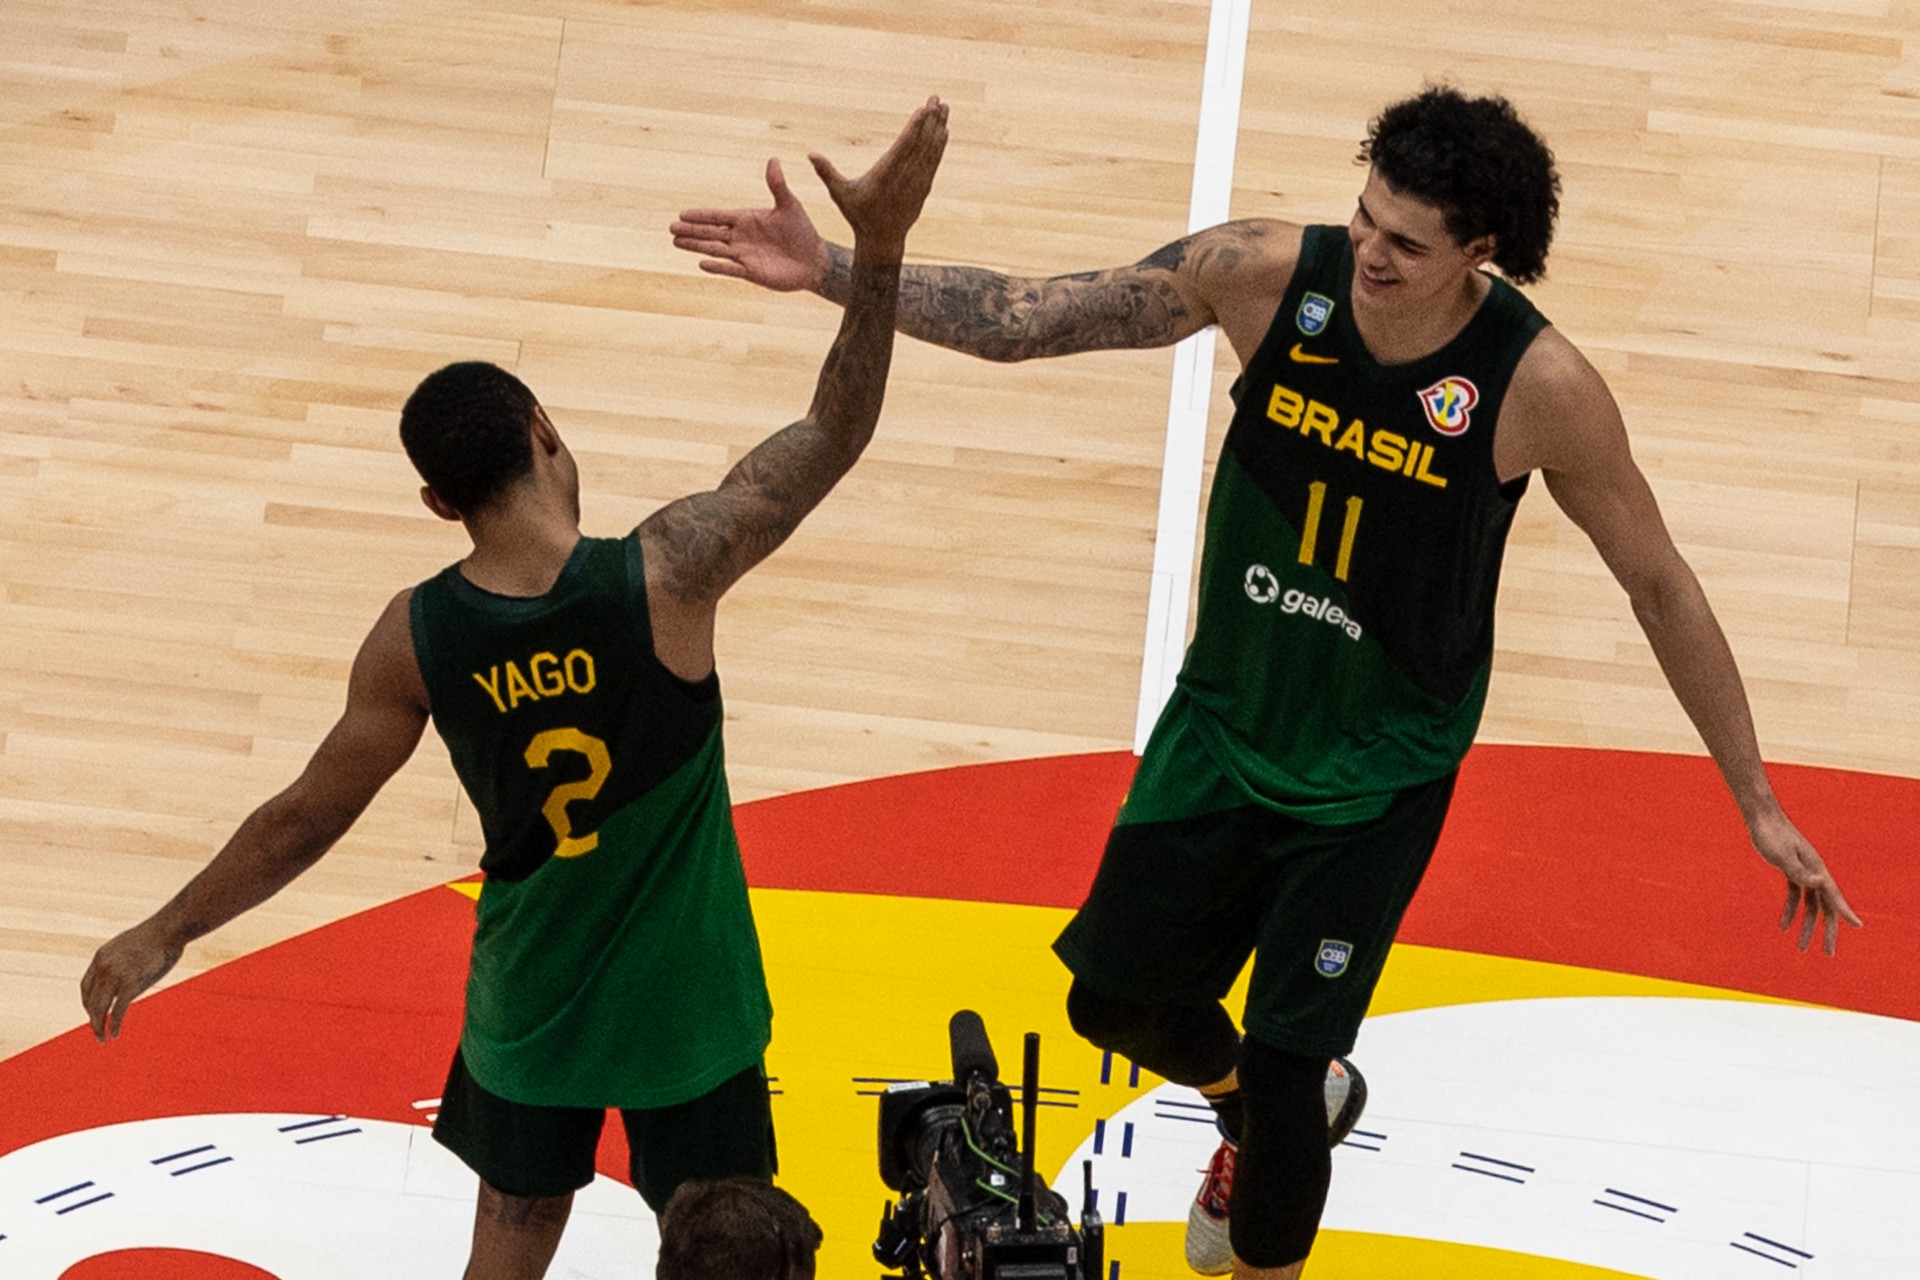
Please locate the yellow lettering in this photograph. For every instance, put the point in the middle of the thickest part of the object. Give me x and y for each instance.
(1310, 527)
(517, 686)
(1285, 406)
(1354, 439)
(547, 678)
(492, 687)
(1387, 450)
(1322, 419)
(547, 675)
(1425, 476)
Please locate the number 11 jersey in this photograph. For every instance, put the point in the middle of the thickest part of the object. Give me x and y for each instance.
(1354, 538)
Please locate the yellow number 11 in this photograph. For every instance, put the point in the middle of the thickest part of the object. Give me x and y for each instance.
(1310, 532)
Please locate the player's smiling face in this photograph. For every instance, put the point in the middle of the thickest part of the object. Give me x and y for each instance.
(1403, 255)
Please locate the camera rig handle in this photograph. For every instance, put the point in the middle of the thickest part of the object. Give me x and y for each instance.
(1025, 1218)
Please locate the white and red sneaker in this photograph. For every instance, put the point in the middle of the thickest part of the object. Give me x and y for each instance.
(1346, 1099)
(1209, 1251)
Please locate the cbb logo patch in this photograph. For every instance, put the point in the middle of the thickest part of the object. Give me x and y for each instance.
(1315, 310)
(1447, 404)
(1333, 957)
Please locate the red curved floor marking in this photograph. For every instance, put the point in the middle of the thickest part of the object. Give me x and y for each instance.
(1029, 831)
(1613, 860)
(1626, 861)
(363, 1012)
(162, 1264)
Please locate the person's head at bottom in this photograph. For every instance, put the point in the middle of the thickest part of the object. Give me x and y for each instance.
(736, 1229)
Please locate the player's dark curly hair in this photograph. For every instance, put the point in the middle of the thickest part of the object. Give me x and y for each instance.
(465, 430)
(1478, 161)
(736, 1229)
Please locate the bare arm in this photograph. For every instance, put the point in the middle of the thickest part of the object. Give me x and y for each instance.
(1209, 277)
(1566, 419)
(386, 713)
(699, 546)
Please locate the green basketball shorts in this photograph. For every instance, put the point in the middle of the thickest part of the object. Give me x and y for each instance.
(526, 1150)
(1178, 905)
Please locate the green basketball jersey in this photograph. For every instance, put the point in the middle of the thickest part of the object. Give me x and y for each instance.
(1353, 547)
(615, 961)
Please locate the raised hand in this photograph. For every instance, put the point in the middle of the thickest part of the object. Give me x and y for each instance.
(778, 248)
(884, 201)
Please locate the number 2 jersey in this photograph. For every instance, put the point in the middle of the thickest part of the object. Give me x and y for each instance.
(615, 961)
(1353, 547)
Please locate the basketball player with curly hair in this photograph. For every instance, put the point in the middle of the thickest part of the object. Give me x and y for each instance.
(1396, 394)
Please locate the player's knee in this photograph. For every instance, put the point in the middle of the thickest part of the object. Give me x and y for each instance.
(1106, 1023)
(1191, 1044)
(539, 1214)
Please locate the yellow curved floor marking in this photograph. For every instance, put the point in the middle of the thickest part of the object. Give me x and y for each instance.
(863, 986)
(1353, 1255)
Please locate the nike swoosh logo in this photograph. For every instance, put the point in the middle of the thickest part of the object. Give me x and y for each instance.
(1302, 357)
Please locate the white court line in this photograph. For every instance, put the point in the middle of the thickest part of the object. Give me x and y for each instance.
(1177, 528)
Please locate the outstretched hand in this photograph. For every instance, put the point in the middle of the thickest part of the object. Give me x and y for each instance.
(1812, 893)
(778, 248)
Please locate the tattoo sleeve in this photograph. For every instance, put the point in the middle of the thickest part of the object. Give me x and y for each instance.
(999, 317)
(711, 539)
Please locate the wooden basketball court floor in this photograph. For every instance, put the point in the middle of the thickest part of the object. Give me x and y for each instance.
(234, 234)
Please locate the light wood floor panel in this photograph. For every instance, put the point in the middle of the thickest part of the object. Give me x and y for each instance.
(232, 237)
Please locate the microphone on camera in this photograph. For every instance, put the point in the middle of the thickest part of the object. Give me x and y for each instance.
(972, 1052)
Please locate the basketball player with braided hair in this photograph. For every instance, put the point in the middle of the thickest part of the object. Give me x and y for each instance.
(1396, 394)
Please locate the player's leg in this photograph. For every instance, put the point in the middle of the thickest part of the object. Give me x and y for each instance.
(723, 1133)
(1165, 929)
(531, 1159)
(514, 1237)
(1337, 898)
(1285, 1163)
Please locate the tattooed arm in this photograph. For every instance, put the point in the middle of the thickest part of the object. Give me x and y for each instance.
(1168, 295)
(1231, 275)
(699, 546)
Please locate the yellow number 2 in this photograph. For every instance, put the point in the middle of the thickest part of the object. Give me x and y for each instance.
(555, 809)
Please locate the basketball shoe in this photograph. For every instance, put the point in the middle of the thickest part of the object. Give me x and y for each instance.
(1209, 1251)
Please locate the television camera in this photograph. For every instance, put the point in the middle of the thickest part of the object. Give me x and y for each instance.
(971, 1207)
